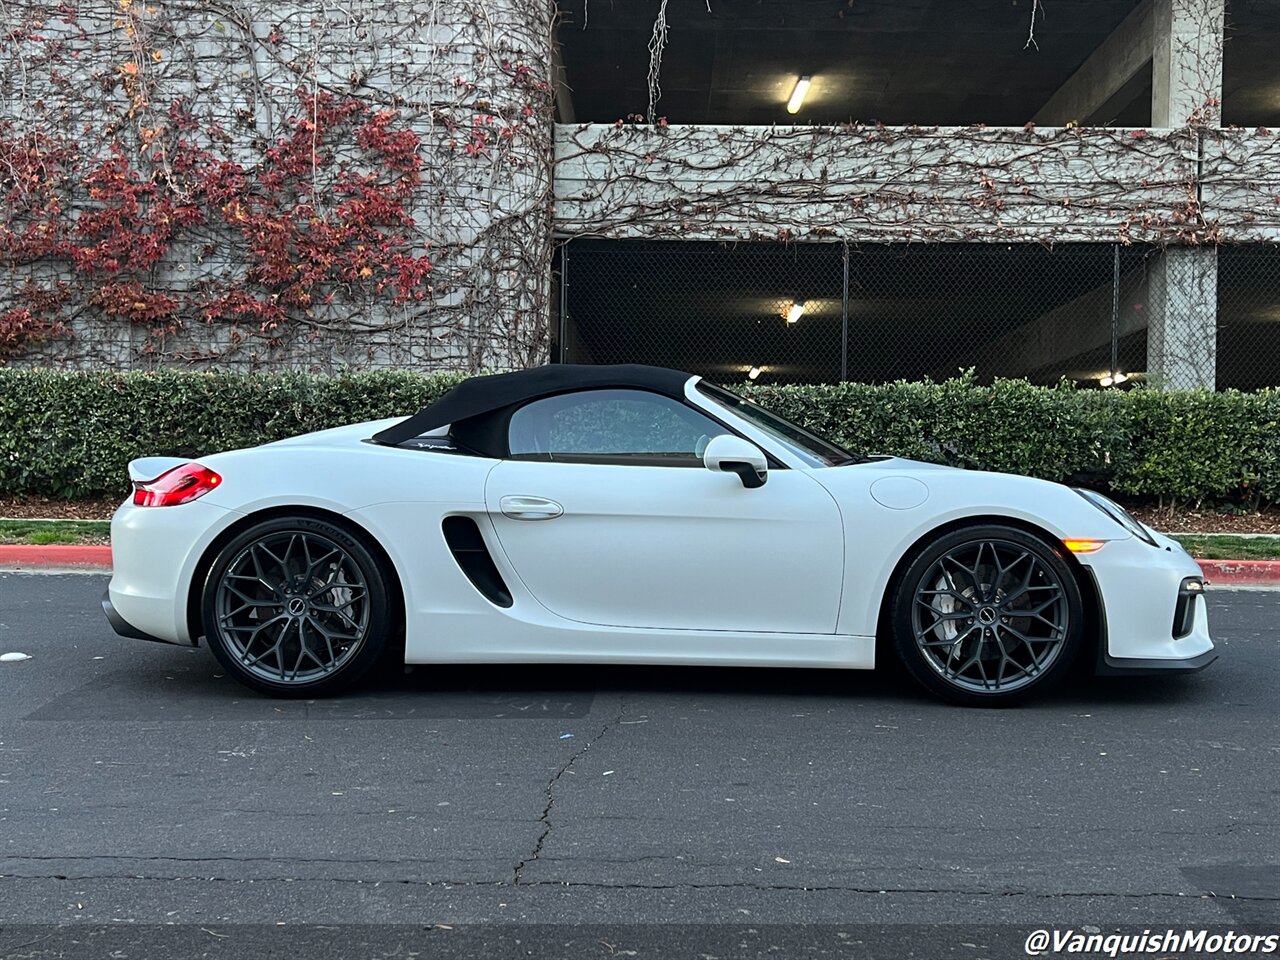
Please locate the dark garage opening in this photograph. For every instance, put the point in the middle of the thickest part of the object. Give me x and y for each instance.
(1248, 316)
(871, 313)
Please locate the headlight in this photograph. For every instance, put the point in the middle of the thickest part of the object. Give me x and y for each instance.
(1117, 513)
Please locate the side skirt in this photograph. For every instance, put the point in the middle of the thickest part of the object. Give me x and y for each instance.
(485, 638)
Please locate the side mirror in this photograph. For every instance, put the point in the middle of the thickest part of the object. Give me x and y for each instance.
(735, 455)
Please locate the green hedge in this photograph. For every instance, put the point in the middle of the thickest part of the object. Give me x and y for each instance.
(71, 434)
(1176, 446)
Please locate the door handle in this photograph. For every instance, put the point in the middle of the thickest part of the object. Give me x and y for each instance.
(530, 508)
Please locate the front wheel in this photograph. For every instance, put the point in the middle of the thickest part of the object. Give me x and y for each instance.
(296, 607)
(987, 615)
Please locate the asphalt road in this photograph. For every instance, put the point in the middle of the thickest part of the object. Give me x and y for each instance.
(150, 807)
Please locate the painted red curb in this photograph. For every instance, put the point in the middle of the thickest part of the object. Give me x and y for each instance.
(23, 556)
(1241, 573)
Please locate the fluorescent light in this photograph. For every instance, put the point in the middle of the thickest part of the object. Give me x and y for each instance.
(753, 373)
(798, 94)
(795, 311)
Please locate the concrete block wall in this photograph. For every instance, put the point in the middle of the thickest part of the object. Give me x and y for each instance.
(100, 73)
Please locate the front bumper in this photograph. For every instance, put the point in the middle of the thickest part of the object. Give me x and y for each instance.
(1109, 666)
(1153, 615)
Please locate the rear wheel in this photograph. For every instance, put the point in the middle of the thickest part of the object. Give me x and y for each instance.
(988, 615)
(296, 607)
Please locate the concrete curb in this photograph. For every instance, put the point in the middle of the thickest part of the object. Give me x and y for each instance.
(1222, 573)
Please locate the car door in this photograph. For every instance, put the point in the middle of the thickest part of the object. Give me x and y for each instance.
(607, 515)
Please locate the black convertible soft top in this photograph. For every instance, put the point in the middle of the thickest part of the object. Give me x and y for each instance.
(484, 395)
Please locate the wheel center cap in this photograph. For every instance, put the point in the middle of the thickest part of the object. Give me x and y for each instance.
(987, 615)
(296, 607)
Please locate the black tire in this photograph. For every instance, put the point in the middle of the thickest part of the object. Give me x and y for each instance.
(296, 607)
(987, 616)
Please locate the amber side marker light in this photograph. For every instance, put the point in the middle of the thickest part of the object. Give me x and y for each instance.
(1084, 546)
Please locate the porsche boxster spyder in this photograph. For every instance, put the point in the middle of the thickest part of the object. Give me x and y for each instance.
(628, 514)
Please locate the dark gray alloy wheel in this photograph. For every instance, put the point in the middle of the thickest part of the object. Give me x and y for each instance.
(987, 615)
(296, 607)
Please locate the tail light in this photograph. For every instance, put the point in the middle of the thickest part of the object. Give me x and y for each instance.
(179, 485)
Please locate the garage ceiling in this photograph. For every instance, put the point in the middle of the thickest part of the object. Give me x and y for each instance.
(927, 62)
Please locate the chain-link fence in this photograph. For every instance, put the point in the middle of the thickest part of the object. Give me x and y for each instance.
(1102, 314)
(1249, 316)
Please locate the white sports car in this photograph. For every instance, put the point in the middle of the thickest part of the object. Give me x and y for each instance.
(628, 514)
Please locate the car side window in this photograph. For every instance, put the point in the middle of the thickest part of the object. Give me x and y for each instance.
(611, 426)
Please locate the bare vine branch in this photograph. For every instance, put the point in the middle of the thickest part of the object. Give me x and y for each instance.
(1031, 30)
(657, 43)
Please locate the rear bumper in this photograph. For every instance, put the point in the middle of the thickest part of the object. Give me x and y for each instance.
(122, 626)
(154, 554)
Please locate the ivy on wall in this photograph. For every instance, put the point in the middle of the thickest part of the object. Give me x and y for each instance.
(864, 182)
(233, 183)
(305, 226)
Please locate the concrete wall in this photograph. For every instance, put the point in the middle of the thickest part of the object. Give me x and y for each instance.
(1240, 184)
(910, 184)
(108, 72)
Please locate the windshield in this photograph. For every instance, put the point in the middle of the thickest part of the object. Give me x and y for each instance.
(810, 448)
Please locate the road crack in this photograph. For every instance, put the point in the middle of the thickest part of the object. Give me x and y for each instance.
(545, 818)
(763, 887)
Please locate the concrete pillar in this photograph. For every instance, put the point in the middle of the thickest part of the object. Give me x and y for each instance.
(1186, 90)
(1186, 63)
(1182, 323)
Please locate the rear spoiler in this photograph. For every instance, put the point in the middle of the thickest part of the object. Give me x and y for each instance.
(145, 469)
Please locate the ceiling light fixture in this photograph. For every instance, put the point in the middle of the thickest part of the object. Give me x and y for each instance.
(798, 94)
(795, 311)
(753, 373)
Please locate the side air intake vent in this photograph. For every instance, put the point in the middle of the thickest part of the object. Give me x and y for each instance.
(464, 539)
